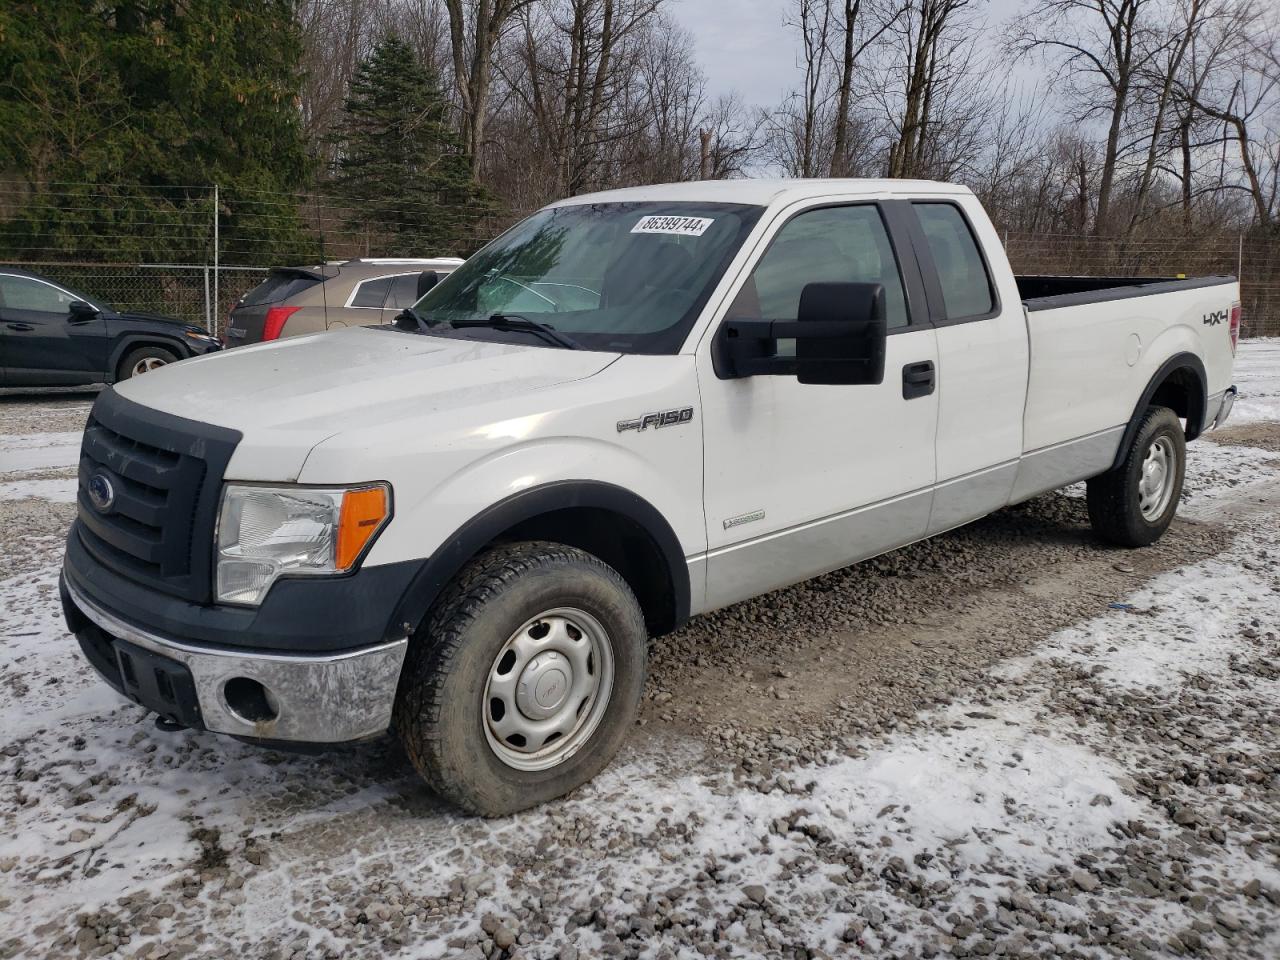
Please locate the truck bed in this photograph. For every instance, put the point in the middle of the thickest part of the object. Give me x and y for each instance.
(1042, 292)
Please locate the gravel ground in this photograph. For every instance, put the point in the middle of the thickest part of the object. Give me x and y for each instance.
(1005, 741)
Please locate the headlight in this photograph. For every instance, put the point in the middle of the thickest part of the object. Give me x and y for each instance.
(266, 532)
(201, 336)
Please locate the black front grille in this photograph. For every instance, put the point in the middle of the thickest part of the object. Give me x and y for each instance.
(163, 474)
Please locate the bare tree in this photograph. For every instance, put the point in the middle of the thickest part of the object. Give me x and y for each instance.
(475, 27)
(1104, 46)
(1237, 84)
(862, 24)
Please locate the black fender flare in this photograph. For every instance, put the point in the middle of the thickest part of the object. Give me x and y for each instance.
(127, 341)
(482, 529)
(1179, 361)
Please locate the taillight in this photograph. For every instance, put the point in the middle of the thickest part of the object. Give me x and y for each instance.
(1235, 327)
(273, 326)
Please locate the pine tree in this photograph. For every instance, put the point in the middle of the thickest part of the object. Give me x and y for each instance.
(118, 115)
(401, 166)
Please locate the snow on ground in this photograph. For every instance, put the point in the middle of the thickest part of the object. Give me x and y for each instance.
(1256, 371)
(1113, 793)
(38, 451)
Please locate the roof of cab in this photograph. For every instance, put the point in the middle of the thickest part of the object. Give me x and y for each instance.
(763, 192)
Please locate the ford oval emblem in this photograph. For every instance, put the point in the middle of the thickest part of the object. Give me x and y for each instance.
(101, 493)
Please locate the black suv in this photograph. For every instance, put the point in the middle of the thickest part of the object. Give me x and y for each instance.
(51, 336)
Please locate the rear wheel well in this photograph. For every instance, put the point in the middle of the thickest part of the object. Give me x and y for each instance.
(1183, 393)
(620, 542)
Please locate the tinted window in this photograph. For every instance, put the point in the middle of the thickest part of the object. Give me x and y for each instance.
(23, 293)
(831, 245)
(372, 293)
(278, 286)
(404, 291)
(966, 287)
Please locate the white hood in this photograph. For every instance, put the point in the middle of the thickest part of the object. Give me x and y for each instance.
(287, 396)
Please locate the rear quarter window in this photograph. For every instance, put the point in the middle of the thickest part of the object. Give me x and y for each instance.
(966, 285)
(372, 293)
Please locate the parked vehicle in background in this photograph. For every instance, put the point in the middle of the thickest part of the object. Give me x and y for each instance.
(630, 408)
(356, 293)
(54, 336)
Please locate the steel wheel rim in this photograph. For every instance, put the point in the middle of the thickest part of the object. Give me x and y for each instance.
(146, 365)
(547, 689)
(1155, 481)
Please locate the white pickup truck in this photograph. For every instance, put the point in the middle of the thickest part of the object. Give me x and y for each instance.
(631, 408)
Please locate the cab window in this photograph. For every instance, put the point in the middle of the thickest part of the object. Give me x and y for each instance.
(828, 245)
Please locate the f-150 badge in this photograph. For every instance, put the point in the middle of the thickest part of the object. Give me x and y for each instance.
(663, 418)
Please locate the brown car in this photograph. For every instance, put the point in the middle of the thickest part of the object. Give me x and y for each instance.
(297, 300)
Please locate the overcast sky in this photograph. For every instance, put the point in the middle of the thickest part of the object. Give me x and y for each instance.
(743, 45)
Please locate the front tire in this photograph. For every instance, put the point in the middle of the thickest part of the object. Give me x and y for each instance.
(525, 678)
(1134, 504)
(144, 360)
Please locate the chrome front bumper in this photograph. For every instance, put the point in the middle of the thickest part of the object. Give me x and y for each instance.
(325, 698)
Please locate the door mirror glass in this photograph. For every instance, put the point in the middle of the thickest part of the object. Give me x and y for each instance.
(80, 310)
(839, 333)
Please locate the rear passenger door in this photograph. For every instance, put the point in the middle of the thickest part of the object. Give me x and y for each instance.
(804, 478)
(982, 358)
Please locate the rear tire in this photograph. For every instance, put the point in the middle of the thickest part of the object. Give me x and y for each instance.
(525, 678)
(1134, 504)
(143, 360)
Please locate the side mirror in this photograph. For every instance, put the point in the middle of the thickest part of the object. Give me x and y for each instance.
(78, 311)
(426, 280)
(840, 335)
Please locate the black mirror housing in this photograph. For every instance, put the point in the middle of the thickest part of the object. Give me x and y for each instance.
(79, 310)
(426, 280)
(840, 335)
(854, 357)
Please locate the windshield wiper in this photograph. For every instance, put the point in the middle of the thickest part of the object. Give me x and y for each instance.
(514, 321)
(408, 313)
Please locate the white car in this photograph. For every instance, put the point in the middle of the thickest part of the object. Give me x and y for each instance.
(631, 408)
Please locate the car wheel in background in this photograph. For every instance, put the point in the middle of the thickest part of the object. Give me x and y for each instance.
(143, 360)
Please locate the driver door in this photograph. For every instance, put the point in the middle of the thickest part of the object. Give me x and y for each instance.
(43, 346)
(800, 478)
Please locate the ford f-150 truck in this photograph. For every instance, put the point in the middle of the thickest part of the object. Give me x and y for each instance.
(631, 408)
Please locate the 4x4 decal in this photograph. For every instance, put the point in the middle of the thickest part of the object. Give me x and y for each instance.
(1215, 318)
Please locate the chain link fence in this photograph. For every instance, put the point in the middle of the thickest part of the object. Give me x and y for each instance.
(190, 252)
(1255, 261)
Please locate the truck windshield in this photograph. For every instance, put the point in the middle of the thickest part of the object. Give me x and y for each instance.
(627, 277)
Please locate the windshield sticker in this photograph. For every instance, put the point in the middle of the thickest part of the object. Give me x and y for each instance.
(681, 226)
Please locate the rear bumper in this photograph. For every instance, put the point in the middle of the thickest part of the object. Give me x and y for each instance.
(1219, 408)
(316, 698)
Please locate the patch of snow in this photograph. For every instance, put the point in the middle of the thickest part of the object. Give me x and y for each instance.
(39, 451)
(53, 489)
(1257, 375)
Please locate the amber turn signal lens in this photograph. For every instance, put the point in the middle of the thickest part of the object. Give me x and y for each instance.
(363, 513)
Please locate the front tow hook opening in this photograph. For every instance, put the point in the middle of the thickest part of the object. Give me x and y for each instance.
(250, 700)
